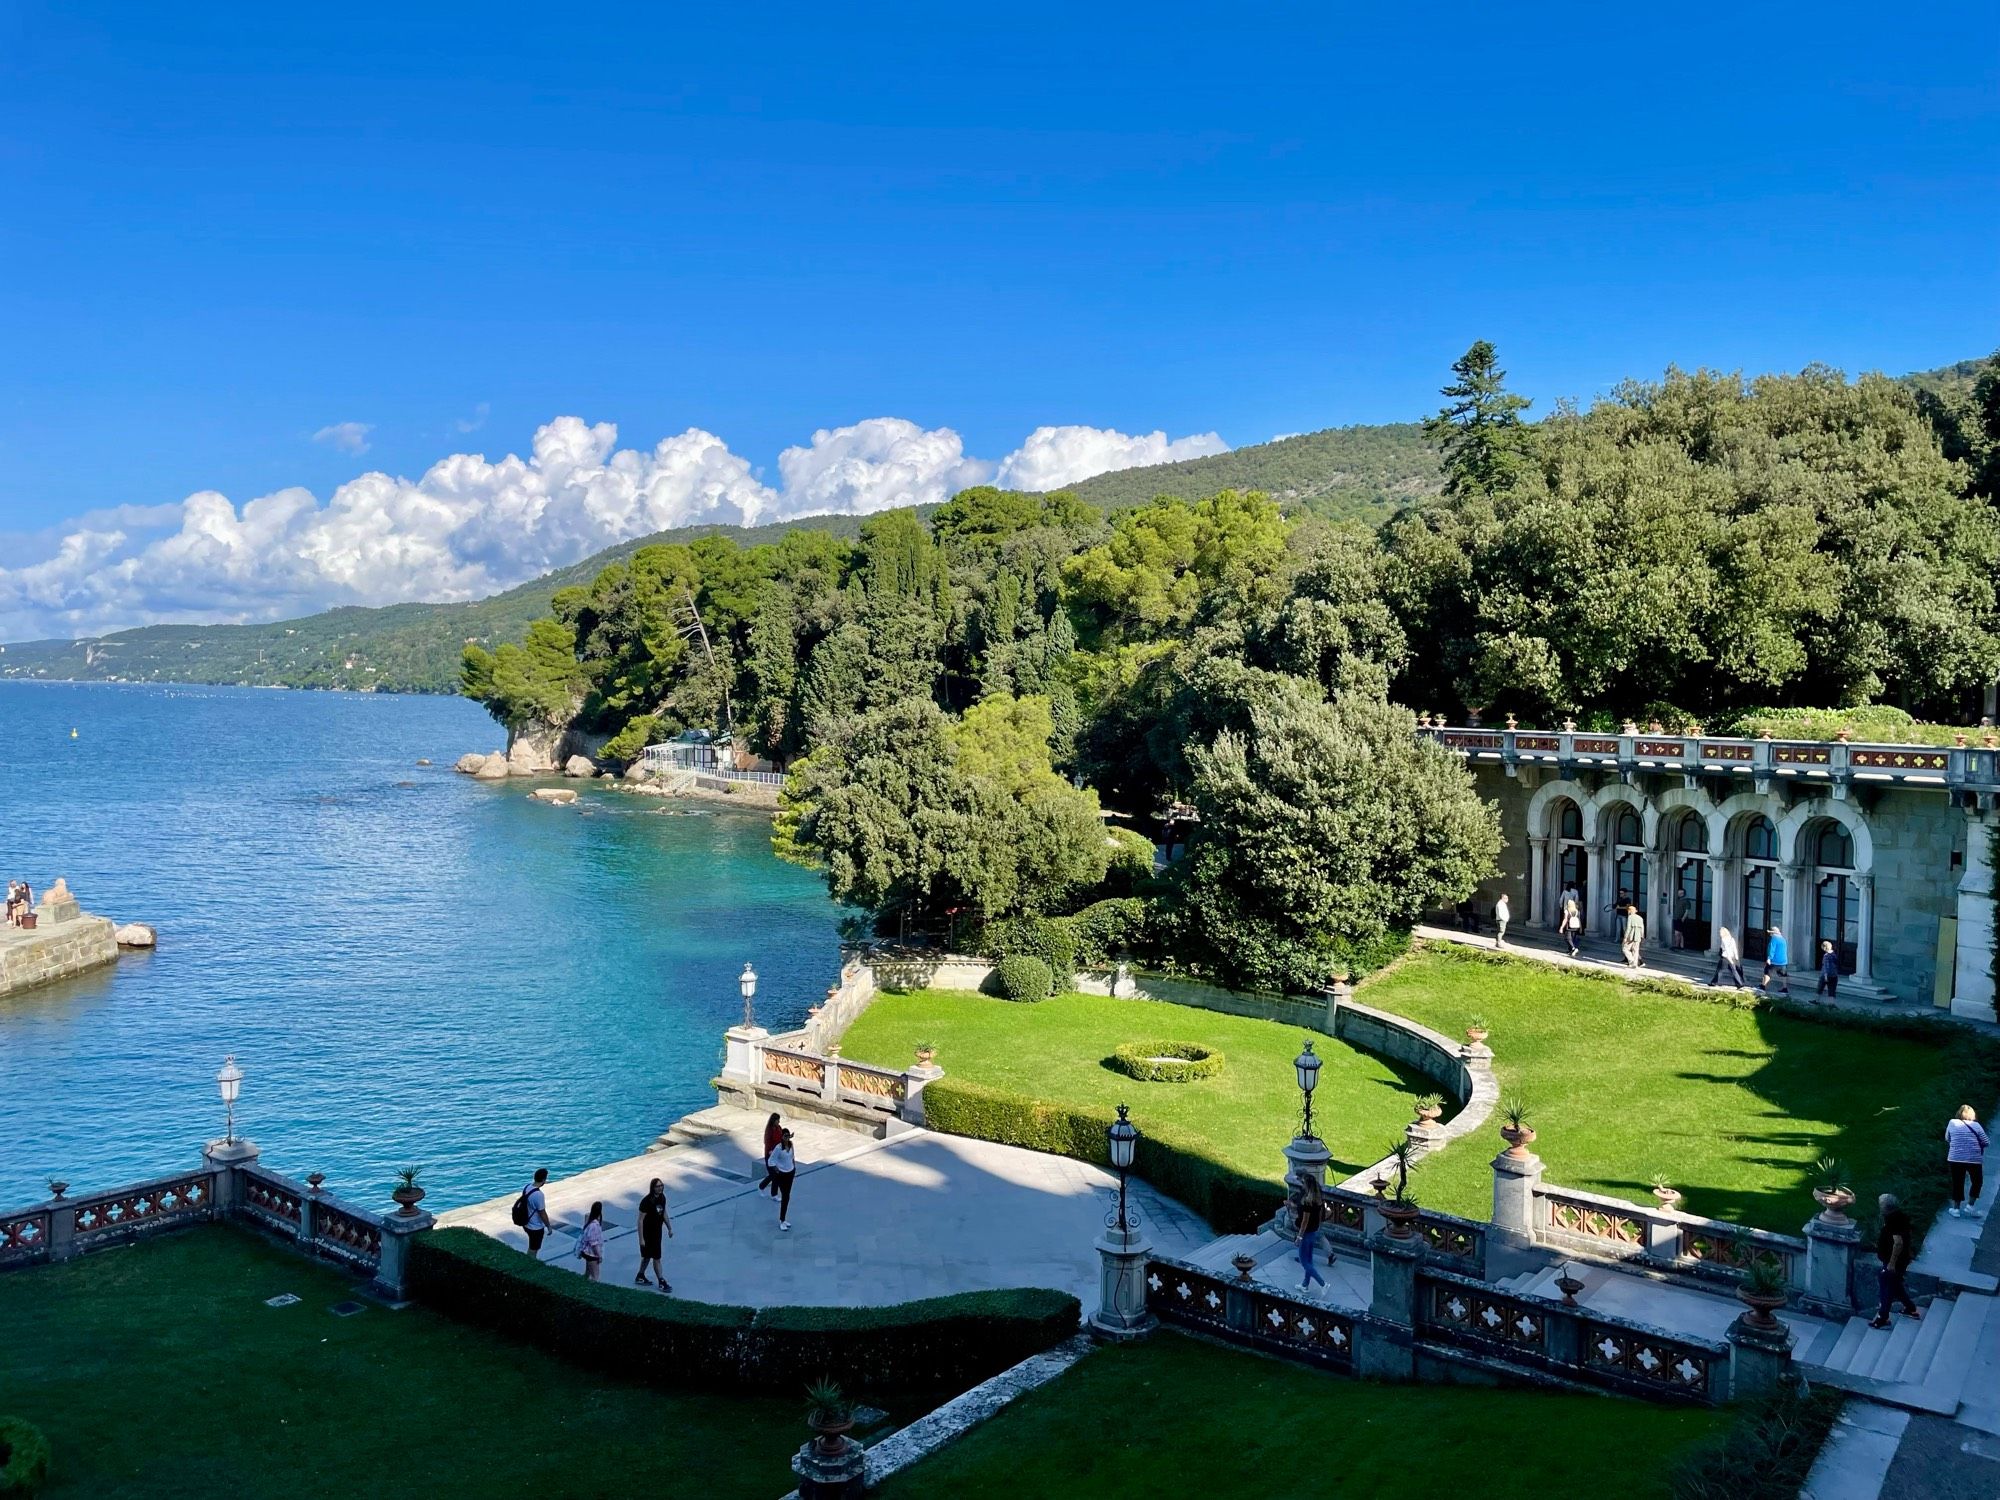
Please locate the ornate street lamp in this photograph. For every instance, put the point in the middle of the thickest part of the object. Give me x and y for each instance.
(1307, 1063)
(230, 1082)
(1124, 1138)
(747, 983)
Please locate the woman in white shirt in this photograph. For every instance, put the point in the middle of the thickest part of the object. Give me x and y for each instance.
(784, 1167)
(590, 1244)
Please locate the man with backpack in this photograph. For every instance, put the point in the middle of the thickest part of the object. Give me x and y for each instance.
(531, 1211)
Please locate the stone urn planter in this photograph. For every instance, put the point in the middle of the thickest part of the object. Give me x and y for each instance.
(1244, 1264)
(1401, 1218)
(1668, 1197)
(1763, 1306)
(1476, 1034)
(830, 1433)
(924, 1056)
(1833, 1204)
(1518, 1138)
(1429, 1114)
(406, 1192)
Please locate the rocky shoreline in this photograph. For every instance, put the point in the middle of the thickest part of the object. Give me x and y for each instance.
(573, 756)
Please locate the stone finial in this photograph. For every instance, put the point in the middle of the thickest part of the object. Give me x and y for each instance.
(1472, 717)
(1763, 734)
(1656, 727)
(1989, 741)
(1569, 726)
(1696, 730)
(1512, 722)
(1423, 721)
(1958, 740)
(1628, 727)
(1842, 735)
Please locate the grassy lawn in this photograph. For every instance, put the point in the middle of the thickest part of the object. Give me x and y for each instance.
(1176, 1416)
(1732, 1106)
(1055, 1051)
(157, 1370)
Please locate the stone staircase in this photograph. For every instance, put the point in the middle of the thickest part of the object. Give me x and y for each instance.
(1921, 1366)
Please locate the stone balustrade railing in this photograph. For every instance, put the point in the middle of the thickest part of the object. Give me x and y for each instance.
(230, 1184)
(1966, 767)
(774, 1067)
(1354, 1218)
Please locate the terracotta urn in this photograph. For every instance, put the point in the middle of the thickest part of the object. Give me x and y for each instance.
(1763, 1306)
(925, 1054)
(1668, 1197)
(1379, 1184)
(1629, 727)
(1518, 1138)
(830, 1433)
(1429, 1112)
(1401, 1217)
(1244, 1264)
(57, 1189)
(1476, 1033)
(1833, 1203)
(1569, 1286)
(409, 1198)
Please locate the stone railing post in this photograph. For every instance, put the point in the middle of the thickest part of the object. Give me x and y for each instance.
(224, 1158)
(1663, 1237)
(1385, 1346)
(841, 1474)
(1759, 1358)
(309, 1211)
(1122, 1313)
(1830, 1250)
(1515, 1179)
(915, 1079)
(399, 1230)
(1305, 1156)
(1337, 994)
(62, 1231)
(1424, 1137)
(829, 1076)
(742, 1056)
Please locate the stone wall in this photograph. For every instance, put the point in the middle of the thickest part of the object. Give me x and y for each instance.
(55, 951)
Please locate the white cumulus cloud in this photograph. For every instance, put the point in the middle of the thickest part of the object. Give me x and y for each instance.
(468, 526)
(1056, 456)
(348, 437)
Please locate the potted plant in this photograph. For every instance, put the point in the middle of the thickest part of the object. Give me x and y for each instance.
(1666, 1192)
(830, 1415)
(406, 1191)
(1519, 1131)
(1429, 1107)
(1475, 1029)
(1833, 1192)
(1762, 1290)
(57, 1187)
(925, 1052)
(1400, 1209)
(1245, 1263)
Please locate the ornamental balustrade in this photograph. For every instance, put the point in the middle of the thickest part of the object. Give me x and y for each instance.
(1968, 768)
(1594, 1225)
(1572, 1342)
(1250, 1312)
(790, 1066)
(312, 1218)
(1441, 1238)
(124, 1213)
(24, 1238)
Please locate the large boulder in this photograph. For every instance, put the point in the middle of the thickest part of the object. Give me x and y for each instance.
(638, 771)
(492, 767)
(469, 763)
(579, 765)
(136, 935)
(532, 752)
(562, 796)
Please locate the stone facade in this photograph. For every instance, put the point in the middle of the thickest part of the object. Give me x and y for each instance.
(55, 950)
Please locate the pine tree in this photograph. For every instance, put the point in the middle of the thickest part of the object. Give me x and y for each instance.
(1482, 442)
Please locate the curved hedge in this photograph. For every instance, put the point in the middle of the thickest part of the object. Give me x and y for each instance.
(1232, 1202)
(950, 1342)
(1165, 1062)
(24, 1457)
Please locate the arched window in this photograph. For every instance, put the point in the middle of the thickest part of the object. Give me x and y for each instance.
(1628, 855)
(1836, 898)
(1694, 887)
(1763, 890)
(1572, 862)
(1570, 823)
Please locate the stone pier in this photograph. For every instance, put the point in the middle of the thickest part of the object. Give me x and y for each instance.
(65, 940)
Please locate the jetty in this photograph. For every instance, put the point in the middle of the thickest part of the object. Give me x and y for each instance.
(65, 940)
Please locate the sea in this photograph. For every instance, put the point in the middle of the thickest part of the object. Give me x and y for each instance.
(411, 967)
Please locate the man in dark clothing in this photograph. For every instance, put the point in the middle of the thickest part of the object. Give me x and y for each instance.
(1895, 1245)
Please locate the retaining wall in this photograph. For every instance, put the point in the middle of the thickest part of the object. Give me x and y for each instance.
(55, 950)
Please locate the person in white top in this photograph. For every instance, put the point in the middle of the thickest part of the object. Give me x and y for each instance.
(1965, 1156)
(1728, 958)
(1502, 915)
(590, 1244)
(537, 1221)
(784, 1166)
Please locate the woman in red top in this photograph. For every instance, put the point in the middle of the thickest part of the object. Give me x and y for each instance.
(774, 1131)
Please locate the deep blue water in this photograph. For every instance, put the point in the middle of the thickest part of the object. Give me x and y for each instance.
(410, 966)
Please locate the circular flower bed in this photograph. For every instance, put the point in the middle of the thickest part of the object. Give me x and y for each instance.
(1166, 1062)
(24, 1458)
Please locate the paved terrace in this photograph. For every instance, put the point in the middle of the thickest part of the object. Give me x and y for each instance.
(873, 1222)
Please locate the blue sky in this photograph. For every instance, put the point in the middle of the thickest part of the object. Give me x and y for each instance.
(230, 228)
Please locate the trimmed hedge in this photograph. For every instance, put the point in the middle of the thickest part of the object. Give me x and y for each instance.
(1050, 939)
(1165, 1062)
(1105, 929)
(24, 1457)
(1232, 1202)
(1025, 978)
(941, 1342)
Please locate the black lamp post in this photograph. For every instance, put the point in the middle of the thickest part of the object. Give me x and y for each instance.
(1307, 1063)
(747, 983)
(229, 1081)
(1124, 1138)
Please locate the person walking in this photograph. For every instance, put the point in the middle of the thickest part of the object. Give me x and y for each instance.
(1572, 925)
(1683, 909)
(1502, 915)
(1310, 1216)
(1634, 935)
(1893, 1245)
(783, 1167)
(774, 1129)
(531, 1211)
(1829, 970)
(1728, 959)
(1776, 956)
(653, 1217)
(1965, 1159)
(590, 1244)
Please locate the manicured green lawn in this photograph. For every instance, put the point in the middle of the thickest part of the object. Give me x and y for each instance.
(1176, 1416)
(1055, 1051)
(1732, 1106)
(157, 1370)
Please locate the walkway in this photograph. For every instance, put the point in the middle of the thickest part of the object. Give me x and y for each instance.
(873, 1222)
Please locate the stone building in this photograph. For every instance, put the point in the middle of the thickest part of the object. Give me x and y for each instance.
(1887, 851)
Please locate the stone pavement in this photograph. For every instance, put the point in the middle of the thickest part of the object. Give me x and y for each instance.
(873, 1222)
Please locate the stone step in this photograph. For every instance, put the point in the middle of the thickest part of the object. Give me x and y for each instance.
(1920, 1370)
(1883, 1352)
(1847, 1345)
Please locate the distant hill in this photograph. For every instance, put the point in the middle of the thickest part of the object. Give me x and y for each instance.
(1343, 473)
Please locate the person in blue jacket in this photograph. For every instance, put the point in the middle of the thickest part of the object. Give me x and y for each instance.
(1776, 956)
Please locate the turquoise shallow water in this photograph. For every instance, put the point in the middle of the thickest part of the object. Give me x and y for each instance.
(438, 972)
